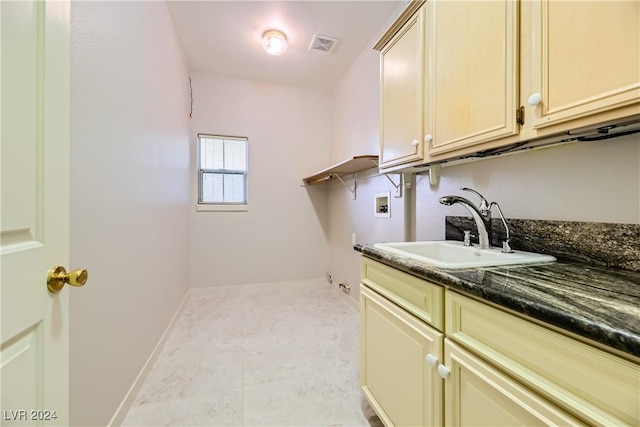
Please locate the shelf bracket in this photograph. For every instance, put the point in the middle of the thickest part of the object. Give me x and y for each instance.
(397, 186)
(434, 175)
(352, 190)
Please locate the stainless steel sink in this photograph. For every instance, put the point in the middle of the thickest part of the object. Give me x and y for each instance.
(453, 255)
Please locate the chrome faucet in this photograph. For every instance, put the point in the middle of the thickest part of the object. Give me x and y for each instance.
(481, 214)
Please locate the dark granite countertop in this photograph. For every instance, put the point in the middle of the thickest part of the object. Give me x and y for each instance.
(598, 303)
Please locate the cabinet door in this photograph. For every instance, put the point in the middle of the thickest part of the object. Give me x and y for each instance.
(401, 73)
(476, 394)
(586, 57)
(472, 80)
(590, 383)
(396, 379)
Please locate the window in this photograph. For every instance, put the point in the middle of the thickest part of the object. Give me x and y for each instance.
(222, 172)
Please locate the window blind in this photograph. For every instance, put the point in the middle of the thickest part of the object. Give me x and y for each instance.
(223, 169)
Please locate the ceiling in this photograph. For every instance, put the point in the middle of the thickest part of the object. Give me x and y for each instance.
(225, 37)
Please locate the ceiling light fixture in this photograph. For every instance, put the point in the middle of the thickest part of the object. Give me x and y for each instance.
(274, 42)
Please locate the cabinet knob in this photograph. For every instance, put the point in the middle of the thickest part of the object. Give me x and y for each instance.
(415, 142)
(443, 371)
(431, 360)
(535, 99)
(428, 138)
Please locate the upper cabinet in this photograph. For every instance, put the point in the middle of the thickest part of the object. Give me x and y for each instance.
(401, 68)
(496, 73)
(585, 61)
(472, 82)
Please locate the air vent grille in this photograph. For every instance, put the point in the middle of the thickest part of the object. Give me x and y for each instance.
(322, 43)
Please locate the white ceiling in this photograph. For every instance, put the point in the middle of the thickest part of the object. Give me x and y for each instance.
(225, 37)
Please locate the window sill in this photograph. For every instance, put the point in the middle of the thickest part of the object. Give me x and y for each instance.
(221, 208)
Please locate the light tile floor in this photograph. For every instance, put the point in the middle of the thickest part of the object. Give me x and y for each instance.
(280, 354)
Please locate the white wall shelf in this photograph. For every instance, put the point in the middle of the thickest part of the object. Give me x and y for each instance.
(348, 167)
(337, 171)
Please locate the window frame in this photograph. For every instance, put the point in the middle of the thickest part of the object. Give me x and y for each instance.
(221, 206)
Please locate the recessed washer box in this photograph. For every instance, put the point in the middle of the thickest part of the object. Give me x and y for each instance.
(382, 207)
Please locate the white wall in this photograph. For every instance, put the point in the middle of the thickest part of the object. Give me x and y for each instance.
(355, 130)
(355, 115)
(283, 235)
(129, 195)
(596, 181)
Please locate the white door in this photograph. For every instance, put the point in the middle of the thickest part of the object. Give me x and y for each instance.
(35, 211)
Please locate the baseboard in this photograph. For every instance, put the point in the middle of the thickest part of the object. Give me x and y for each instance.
(126, 403)
(345, 296)
(203, 292)
(352, 302)
(213, 290)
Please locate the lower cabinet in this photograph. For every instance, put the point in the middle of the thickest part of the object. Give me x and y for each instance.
(479, 395)
(592, 385)
(397, 354)
(488, 367)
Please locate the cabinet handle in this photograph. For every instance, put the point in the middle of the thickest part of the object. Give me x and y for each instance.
(431, 360)
(443, 371)
(415, 142)
(428, 138)
(535, 99)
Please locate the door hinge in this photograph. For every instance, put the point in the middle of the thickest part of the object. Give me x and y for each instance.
(520, 115)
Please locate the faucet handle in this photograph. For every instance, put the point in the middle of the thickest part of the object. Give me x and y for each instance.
(484, 204)
(506, 248)
(467, 238)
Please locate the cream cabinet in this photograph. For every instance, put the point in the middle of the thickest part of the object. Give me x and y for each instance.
(422, 299)
(398, 353)
(401, 94)
(582, 381)
(585, 59)
(472, 82)
(401, 339)
(480, 395)
(495, 73)
(431, 356)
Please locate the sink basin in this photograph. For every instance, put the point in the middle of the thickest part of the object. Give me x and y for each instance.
(452, 254)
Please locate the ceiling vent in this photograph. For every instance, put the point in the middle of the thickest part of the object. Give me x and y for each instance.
(322, 43)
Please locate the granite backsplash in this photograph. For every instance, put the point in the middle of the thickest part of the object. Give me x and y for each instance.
(603, 244)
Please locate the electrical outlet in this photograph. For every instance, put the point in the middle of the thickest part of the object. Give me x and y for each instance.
(353, 238)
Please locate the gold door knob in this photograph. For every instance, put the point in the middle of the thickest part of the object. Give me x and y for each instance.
(58, 276)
